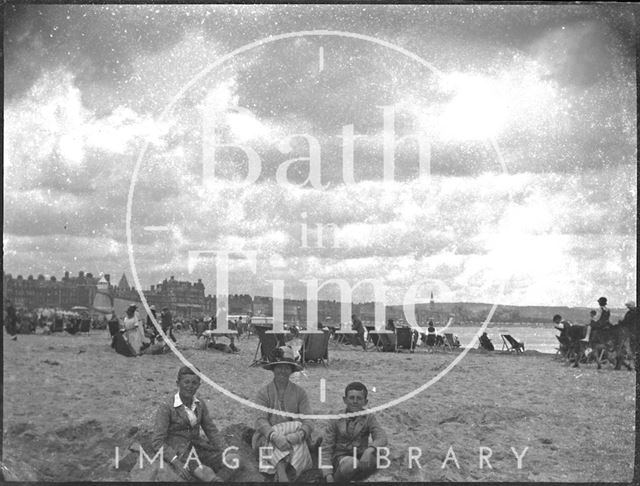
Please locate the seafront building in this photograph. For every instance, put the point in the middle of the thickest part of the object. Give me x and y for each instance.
(184, 299)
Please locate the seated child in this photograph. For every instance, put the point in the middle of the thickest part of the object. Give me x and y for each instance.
(177, 430)
(342, 435)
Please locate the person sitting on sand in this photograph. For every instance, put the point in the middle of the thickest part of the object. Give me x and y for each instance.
(390, 325)
(177, 431)
(345, 434)
(485, 342)
(287, 436)
(225, 348)
(158, 347)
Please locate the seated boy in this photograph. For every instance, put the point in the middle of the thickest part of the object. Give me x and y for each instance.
(345, 434)
(177, 430)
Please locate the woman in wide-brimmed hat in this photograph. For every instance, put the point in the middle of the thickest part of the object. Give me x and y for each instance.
(288, 436)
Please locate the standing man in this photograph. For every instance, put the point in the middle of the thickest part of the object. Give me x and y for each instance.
(628, 335)
(151, 332)
(356, 325)
(167, 323)
(12, 319)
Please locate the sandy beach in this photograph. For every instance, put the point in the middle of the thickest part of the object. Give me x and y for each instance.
(70, 400)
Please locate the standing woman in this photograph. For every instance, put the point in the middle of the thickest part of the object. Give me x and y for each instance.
(288, 436)
(133, 332)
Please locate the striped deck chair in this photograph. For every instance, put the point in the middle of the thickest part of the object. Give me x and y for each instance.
(449, 342)
(509, 343)
(267, 342)
(315, 347)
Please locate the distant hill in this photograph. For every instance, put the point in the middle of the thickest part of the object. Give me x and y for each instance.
(474, 311)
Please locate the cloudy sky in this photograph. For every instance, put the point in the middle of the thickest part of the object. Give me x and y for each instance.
(524, 118)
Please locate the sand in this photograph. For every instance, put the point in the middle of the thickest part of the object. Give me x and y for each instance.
(70, 400)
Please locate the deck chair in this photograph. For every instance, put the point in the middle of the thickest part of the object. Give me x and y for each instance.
(315, 348)
(384, 340)
(406, 338)
(58, 324)
(266, 344)
(85, 325)
(449, 342)
(509, 343)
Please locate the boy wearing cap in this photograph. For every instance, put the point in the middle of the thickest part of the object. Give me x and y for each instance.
(344, 435)
(177, 431)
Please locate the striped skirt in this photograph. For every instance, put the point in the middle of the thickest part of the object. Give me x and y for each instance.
(299, 457)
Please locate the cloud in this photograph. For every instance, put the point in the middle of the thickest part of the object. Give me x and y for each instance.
(94, 85)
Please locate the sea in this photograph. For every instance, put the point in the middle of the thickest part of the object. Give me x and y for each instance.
(542, 339)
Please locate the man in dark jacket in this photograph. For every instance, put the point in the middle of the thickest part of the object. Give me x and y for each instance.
(167, 323)
(12, 320)
(356, 325)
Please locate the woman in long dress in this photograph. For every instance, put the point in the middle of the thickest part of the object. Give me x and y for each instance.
(133, 331)
(289, 437)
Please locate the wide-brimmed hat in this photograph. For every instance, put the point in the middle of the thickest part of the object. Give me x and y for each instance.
(602, 300)
(132, 306)
(283, 355)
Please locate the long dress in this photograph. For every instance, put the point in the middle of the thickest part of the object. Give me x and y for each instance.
(133, 332)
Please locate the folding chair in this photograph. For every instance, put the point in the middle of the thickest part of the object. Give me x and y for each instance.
(509, 343)
(267, 342)
(315, 347)
(58, 324)
(449, 342)
(406, 338)
(383, 340)
(85, 325)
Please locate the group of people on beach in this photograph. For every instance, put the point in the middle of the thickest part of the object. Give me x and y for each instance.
(47, 321)
(130, 337)
(600, 335)
(282, 444)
